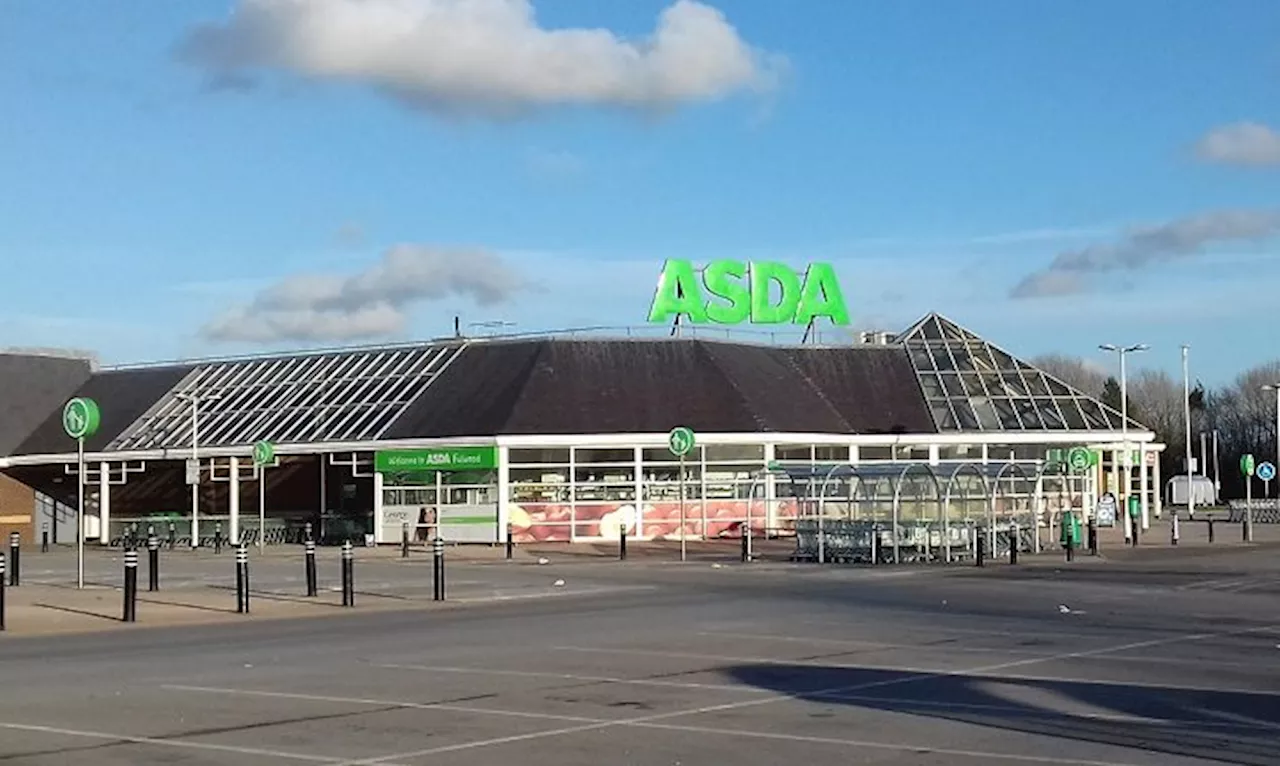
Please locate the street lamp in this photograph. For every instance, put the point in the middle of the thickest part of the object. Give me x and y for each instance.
(1122, 352)
(1186, 409)
(195, 398)
(1276, 387)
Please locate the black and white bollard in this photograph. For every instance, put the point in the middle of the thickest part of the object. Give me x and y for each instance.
(44, 537)
(1093, 537)
(437, 556)
(875, 542)
(404, 540)
(981, 550)
(622, 544)
(242, 579)
(1210, 520)
(15, 564)
(1173, 530)
(173, 536)
(217, 537)
(348, 575)
(746, 543)
(511, 542)
(310, 560)
(130, 585)
(153, 562)
(1, 591)
(306, 532)
(1013, 543)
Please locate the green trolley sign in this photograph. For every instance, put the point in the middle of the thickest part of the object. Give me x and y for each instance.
(81, 418)
(264, 452)
(680, 441)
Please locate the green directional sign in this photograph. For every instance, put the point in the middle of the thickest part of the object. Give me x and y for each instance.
(1247, 464)
(1078, 459)
(264, 452)
(680, 441)
(81, 418)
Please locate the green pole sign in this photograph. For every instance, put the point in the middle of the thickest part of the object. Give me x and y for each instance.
(81, 418)
(1078, 459)
(263, 453)
(1247, 465)
(745, 292)
(680, 441)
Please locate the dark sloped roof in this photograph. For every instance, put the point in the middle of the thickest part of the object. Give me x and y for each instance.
(33, 386)
(873, 387)
(122, 396)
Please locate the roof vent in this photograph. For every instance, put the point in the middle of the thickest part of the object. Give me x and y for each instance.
(875, 338)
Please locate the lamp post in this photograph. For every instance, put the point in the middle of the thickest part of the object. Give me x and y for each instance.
(195, 398)
(1123, 352)
(1186, 407)
(1276, 387)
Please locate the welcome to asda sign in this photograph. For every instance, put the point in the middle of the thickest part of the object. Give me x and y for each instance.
(437, 459)
(755, 292)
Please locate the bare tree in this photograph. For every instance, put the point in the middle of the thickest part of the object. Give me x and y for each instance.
(1244, 416)
(1082, 375)
(1159, 400)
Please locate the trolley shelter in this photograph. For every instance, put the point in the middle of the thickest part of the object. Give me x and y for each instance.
(915, 512)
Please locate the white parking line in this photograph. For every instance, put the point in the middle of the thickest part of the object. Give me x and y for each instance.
(742, 688)
(174, 743)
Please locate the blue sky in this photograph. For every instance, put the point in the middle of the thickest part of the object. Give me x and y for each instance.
(164, 190)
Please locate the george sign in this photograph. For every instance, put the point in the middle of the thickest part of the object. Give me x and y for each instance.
(436, 459)
(81, 418)
(745, 291)
(264, 453)
(1266, 471)
(1078, 459)
(680, 441)
(1246, 464)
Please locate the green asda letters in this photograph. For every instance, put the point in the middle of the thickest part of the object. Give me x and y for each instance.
(733, 292)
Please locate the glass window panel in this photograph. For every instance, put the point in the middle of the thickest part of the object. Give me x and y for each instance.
(1094, 414)
(792, 452)
(981, 358)
(603, 455)
(1057, 388)
(519, 455)
(965, 415)
(951, 384)
(942, 416)
(931, 330)
(1003, 361)
(1075, 420)
(941, 357)
(962, 359)
(973, 384)
(920, 357)
(831, 453)
(664, 455)
(1004, 409)
(1049, 414)
(735, 452)
(932, 386)
(1029, 414)
(950, 331)
(607, 474)
(1036, 382)
(987, 417)
(993, 383)
(550, 474)
(1013, 384)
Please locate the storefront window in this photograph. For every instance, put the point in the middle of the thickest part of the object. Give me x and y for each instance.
(584, 455)
(538, 455)
(831, 453)
(790, 452)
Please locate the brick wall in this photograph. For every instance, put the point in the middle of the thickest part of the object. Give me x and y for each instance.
(17, 511)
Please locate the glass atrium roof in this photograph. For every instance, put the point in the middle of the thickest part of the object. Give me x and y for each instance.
(972, 385)
(328, 397)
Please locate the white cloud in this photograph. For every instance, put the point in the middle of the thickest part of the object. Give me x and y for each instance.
(487, 57)
(1241, 143)
(372, 304)
(1147, 246)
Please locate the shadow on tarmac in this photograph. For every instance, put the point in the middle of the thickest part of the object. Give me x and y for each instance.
(1223, 726)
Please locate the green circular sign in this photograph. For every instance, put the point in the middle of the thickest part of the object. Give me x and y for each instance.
(1247, 465)
(680, 441)
(263, 452)
(81, 418)
(1078, 459)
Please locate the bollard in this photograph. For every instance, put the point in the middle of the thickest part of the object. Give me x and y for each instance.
(1137, 532)
(746, 543)
(306, 532)
(1093, 537)
(153, 563)
(15, 565)
(404, 540)
(875, 543)
(1245, 535)
(217, 537)
(981, 551)
(242, 579)
(133, 535)
(1210, 520)
(622, 544)
(1013, 543)
(1173, 531)
(511, 541)
(348, 575)
(173, 536)
(311, 567)
(1, 591)
(437, 554)
(130, 585)
(44, 537)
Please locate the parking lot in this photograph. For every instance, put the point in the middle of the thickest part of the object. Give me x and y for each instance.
(657, 662)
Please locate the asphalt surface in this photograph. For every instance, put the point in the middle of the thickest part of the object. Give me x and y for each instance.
(1163, 659)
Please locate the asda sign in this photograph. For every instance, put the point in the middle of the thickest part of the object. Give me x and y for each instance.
(755, 292)
(438, 459)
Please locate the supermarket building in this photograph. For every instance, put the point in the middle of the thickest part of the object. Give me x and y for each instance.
(563, 438)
